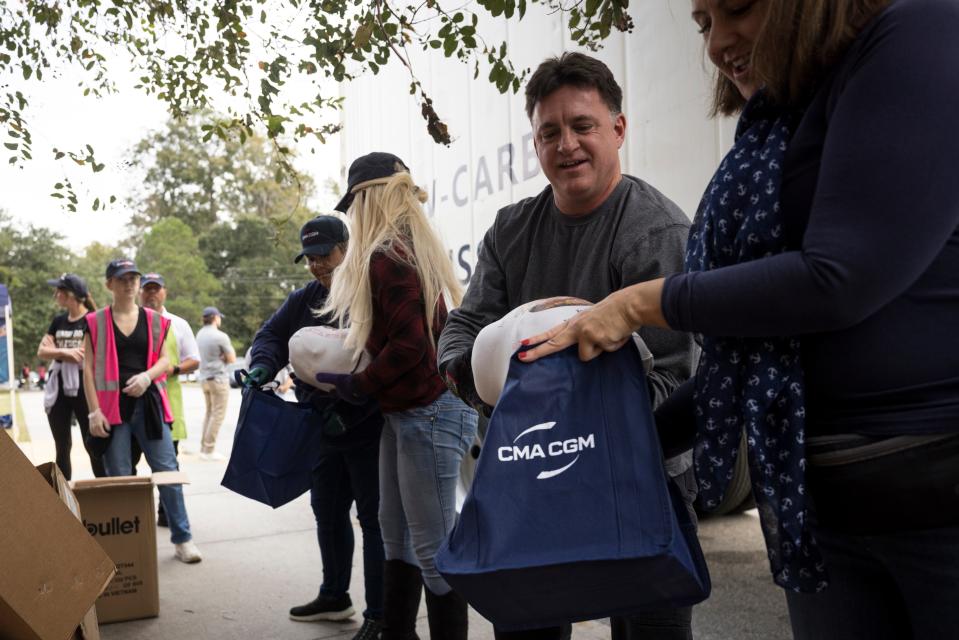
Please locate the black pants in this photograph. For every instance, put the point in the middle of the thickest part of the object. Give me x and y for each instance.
(345, 474)
(60, 418)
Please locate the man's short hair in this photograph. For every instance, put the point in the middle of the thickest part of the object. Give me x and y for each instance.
(576, 70)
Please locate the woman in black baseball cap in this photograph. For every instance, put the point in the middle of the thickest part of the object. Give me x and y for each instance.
(124, 378)
(63, 344)
(393, 288)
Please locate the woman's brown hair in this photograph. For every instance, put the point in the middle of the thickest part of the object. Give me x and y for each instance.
(89, 303)
(798, 43)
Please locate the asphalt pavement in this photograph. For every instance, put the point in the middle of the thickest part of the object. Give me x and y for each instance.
(258, 562)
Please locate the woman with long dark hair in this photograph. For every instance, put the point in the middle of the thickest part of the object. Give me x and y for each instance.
(63, 396)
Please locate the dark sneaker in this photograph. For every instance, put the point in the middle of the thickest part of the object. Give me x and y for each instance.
(324, 608)
(371, 630)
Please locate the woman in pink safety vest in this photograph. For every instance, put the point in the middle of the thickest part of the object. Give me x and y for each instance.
(124, 377)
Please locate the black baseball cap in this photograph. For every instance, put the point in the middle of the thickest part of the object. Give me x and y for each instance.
(152, 278)
(72, 283)
(209, 312)
(369, 167)
(320, 235)
(121, 267)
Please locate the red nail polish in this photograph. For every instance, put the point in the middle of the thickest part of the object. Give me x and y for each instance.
(522, 355)
(525, 343)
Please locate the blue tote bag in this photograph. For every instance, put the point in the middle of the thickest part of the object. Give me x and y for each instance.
(274, 448)
(571, 515)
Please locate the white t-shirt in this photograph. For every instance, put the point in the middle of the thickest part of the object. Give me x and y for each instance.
(185, 342)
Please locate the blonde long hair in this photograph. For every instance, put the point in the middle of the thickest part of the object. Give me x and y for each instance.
(387, 216)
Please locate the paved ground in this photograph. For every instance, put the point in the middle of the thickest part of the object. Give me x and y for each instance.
(258, 562)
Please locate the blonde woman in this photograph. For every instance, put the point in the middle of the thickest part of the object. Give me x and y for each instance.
(391, 288)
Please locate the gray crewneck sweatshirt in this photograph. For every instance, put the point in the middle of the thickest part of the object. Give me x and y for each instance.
(534, 251)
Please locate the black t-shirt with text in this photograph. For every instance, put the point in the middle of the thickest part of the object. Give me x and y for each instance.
(67, 334)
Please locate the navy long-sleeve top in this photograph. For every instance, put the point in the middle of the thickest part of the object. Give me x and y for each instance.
(870, 200)
(270, 350)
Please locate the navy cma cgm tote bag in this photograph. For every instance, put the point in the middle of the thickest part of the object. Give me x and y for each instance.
(571, 516)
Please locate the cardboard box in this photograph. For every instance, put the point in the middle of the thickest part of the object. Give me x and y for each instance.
(52, 570)
(120, 513)
(89, 629)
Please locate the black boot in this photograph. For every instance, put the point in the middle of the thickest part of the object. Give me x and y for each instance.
(402, 586)
(447, 616)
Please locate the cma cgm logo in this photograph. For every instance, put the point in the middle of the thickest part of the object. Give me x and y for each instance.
(554, 449)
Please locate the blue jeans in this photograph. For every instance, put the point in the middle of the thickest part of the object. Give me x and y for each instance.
(895, 586)
(344, 474)
(160, 456)
(420, 454)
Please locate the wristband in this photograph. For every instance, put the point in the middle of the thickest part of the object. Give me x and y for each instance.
(176, 369)
(92, 413)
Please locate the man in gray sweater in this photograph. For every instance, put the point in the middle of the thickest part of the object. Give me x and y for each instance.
(592, 231)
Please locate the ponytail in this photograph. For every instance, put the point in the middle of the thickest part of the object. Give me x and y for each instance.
(89, 303)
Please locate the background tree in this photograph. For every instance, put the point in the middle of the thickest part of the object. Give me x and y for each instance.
(218, 200)
(205, 180)
(254, 261)
(238, 57)
(28, 258)
(171, 249)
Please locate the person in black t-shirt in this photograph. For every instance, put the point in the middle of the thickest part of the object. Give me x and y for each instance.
(63, 398)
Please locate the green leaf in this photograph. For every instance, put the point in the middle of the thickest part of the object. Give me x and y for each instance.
(363, 35)
(11, 145)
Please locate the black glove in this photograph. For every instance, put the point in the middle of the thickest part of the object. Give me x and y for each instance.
(458, 375)
(345, 389)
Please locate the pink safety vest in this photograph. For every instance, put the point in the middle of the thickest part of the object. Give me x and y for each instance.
(106, 370)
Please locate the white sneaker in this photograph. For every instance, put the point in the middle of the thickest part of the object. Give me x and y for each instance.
(187, 552)
(216, 456)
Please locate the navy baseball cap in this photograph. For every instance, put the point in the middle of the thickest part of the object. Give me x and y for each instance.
(209, 312)
(369, 167)
(72, 283)
(152, 278)
(320, 235)
(121, 267)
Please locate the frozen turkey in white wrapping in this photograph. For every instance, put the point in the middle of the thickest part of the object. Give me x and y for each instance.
(498, 341)
(320, 349)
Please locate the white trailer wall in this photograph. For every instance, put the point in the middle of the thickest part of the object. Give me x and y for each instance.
(670, 142)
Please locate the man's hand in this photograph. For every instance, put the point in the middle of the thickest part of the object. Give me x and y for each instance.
(138, 385)
(345, 388)
(458, 375)
(99, 425)
(257, 377)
